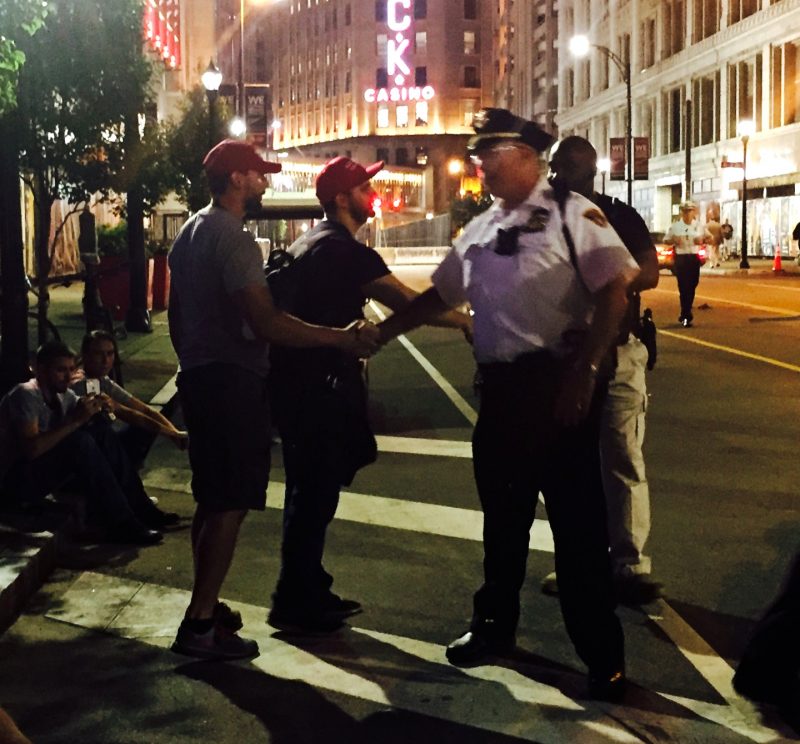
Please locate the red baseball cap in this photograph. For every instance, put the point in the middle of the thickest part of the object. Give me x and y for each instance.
(342, 174)
(235, 156)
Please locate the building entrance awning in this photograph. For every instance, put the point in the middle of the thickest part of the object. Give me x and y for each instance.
(786, 179)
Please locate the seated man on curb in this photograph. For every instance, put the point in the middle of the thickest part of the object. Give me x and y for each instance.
(98, 354)
(48, 436)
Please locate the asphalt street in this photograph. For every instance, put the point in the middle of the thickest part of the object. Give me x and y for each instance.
(89, 662)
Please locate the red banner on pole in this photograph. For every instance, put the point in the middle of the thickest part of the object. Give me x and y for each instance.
(616, 154)
(641, 158)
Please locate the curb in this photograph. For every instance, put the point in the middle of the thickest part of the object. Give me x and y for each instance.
(27, 558)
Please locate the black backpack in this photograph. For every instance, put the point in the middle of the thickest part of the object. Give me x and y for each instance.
(285, 271)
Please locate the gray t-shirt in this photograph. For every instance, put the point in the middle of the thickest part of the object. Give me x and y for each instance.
(23, 403)
(212, 258)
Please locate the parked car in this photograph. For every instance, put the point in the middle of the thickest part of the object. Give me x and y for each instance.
(666, 252)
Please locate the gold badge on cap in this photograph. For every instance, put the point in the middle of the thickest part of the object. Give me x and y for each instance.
(596, 216)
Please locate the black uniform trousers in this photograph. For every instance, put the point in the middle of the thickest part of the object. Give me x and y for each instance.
(687, 272)
(518, 451)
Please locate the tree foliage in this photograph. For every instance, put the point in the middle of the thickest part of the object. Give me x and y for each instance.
(85, 77)
(18, 19)
(189, 140)
(463, 209)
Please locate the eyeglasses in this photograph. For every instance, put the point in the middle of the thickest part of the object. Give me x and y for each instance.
(489, 152)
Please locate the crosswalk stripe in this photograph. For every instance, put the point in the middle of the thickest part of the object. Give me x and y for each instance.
(454, 396)
(403, 673)
(379, 511)
(419, 446)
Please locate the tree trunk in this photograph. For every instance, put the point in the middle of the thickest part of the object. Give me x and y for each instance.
(43, 211)
(14, 362)
(138, 316)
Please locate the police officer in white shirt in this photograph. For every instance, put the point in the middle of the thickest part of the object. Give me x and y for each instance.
(548, 302)
(687, 235)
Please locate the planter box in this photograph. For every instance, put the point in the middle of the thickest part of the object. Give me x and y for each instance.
(160, 282)
(113, 283)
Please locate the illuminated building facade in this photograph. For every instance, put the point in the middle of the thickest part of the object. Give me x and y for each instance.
(393, 80)
(525, 68)
(699, 68)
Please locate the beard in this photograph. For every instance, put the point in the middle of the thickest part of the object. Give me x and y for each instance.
(360, 214)
(252, 203)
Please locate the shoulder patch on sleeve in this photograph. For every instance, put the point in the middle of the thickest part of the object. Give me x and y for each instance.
(596, 216)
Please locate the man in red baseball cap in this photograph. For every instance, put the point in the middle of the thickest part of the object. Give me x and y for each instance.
(319, 396)
(221, 320)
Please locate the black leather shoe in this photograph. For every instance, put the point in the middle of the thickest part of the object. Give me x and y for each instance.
(608, 687)
(473, 647)
(133, 533)
(159, 519)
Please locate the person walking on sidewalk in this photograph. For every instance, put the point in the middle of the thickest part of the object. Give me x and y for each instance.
(319, 395)
(547, 280)
(221, 319)
(687, 236)
(49, 435)
(574, 167)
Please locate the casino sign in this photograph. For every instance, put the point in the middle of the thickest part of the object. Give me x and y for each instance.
(398, 19)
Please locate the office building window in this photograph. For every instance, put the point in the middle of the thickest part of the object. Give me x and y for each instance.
(420, 9)
(471, 79)
(468, 109)
(470, 9)
(380, 11)
(785, 87)
(401, 156)
(420, 76)
(383, 116)
(401, 116)
(674, 28)
(421, 113)
(381, 78)
(738, 10)
(420, 42)
(648, 38)
(382, 40)
(705, 110)
(469, 42)
(744, 93)
(348, 15)
(382, 153)
(706, 18)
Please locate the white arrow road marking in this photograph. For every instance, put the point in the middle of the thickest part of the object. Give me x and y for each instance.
(403, 673)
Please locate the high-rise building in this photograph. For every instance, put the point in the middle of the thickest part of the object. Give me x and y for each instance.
(526, 59)
(698, 69)
(393, 80)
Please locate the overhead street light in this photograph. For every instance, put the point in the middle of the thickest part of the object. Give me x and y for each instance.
(579, 46)
(745, 129)
(212, 79)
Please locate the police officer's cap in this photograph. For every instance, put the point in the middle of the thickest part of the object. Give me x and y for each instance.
(494, 125)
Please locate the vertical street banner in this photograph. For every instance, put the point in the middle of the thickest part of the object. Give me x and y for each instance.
(616, 154)
(256, 109)
(641, 158)
(227, 93)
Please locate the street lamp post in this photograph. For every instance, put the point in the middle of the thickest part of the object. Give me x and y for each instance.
(579, 46)
(212, 79)
(604, 166)
(745, 128)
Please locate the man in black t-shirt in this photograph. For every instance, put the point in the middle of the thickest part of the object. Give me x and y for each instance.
(319, 395)
(574, 165)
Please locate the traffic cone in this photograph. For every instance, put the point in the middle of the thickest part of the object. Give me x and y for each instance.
(776, 265)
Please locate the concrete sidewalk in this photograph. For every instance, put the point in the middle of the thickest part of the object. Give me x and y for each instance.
(29, 543)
